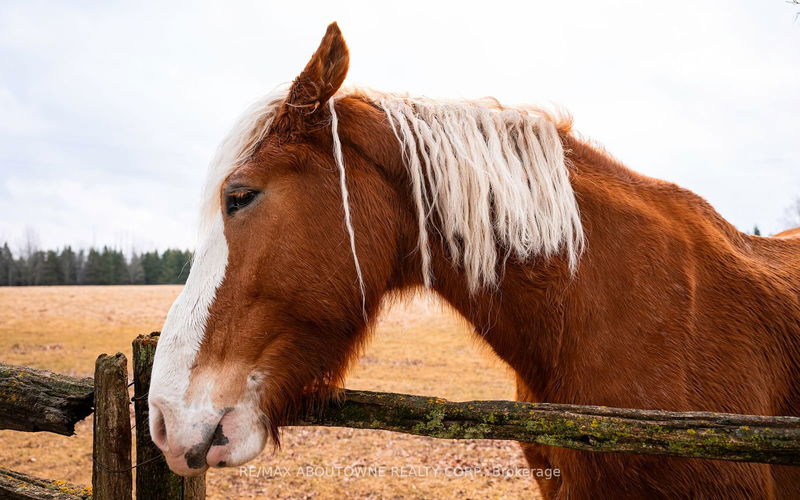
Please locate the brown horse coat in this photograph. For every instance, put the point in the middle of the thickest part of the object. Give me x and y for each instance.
(669, 306)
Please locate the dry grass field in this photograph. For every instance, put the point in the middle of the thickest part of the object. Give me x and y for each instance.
(419, 347)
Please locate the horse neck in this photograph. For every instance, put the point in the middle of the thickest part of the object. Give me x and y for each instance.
(539, 310)
(524, 319)
(652, 248)
(541, 319)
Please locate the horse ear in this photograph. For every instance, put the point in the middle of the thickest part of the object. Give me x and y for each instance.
(319, 81)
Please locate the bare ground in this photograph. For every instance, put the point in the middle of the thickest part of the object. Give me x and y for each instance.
(419, 347)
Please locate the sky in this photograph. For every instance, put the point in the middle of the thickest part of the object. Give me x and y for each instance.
(110, 112)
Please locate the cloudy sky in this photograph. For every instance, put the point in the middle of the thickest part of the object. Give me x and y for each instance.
(109, 112)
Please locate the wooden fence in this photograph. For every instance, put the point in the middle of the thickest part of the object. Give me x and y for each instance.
(37, 400)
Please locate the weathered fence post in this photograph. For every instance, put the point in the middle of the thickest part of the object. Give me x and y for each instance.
(111, 471)
(154, 480)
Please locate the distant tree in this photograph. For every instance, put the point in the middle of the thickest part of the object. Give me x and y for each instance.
(136, 270)
(3, 267)
(35, 267)
(28, 262)
(107, 266)
(106, 273)
(756, 231)
(80, 263)
(113, 270)
(151, 264)
(50, 272)
(8, 267)
(69, 266)
(93, 269)
(172, 262)
(118, 267)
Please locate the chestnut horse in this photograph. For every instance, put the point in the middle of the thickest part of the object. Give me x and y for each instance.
(597, 285)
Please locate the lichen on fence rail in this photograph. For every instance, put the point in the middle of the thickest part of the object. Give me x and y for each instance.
(19, 486)
(39, 400)
(721, 436)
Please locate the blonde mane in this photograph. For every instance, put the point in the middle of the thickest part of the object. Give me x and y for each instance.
(483, 176)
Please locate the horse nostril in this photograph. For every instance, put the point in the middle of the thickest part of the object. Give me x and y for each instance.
(158, 427)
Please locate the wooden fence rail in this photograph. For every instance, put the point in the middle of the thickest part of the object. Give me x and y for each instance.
(721, 436)
(37, 400)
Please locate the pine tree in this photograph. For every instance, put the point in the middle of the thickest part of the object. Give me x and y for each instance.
(6, 263)
(151, 263)
(92, 270)
(50, 273)
(95, 267)
(113, 268)
(119, 269)
(69, 266)
(171, 264)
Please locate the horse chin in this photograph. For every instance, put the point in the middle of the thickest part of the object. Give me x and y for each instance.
(240, 438)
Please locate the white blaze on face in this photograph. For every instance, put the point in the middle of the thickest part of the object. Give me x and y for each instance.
(186, 321)
(191, 430)
(176, 421)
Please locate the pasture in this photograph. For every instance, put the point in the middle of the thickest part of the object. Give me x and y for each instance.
(419, 347)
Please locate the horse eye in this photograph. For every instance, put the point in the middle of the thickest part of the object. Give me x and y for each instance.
(237, 200)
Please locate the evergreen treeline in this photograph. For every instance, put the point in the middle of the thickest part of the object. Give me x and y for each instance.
(95, 267)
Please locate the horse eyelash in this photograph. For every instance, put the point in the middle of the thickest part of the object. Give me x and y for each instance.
(238, 200)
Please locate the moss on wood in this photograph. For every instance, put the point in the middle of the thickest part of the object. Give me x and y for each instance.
(19, 486)
(38, 400)
(721, 436)
(590, 428)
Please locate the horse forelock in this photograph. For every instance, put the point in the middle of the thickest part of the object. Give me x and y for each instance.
(239, 145)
